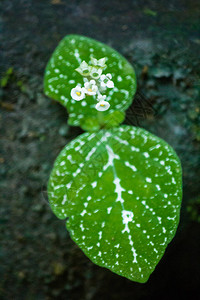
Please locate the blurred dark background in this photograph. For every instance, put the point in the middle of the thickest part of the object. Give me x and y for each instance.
(38, 260)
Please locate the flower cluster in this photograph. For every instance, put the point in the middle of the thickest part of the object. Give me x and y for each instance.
(95, 83)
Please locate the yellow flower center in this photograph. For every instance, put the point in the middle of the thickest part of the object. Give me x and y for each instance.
(78, 93)
(89, 90)
(101, 104)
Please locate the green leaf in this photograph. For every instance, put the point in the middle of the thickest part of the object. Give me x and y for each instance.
(110, 120)
(150, 12)
(61, 77)
(5, 79)
(121, 191)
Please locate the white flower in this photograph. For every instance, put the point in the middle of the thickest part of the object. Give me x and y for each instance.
(83, 69)
(91, 87)
(102, 105)
(95, 72)
(78, 93)
(99, 62)
(106, 81)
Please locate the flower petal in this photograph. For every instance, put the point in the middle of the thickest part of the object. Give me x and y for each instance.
(102, 105)
(110, 84)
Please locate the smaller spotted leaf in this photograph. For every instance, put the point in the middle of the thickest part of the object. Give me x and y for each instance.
(121, 191)
(61, 77)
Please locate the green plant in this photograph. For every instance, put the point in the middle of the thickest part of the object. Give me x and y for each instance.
(118, 187)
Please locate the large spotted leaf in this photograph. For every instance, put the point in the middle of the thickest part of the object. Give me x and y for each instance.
(61, 77)
(121, 191)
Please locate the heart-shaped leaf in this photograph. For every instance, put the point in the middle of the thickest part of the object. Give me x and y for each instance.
(61, 77)
(121, 190)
